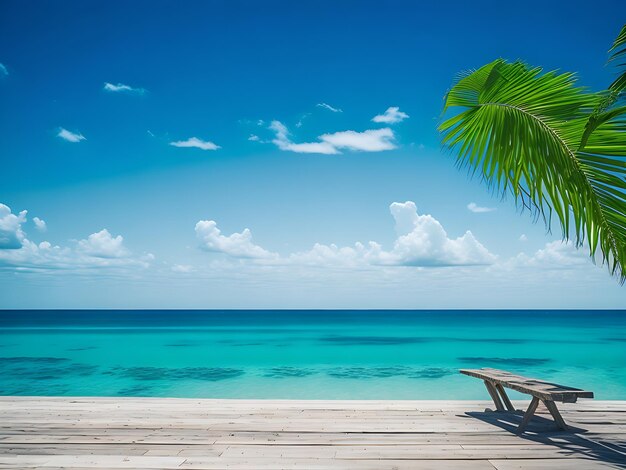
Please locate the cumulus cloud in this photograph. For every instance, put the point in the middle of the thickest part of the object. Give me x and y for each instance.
(237, 245)
(253, 138)
(70, 136)
(40, 224)
(3, 70)
(103, 245)
(422, 241)
(555, 254)
(11, 234)
(329, 107)
(426, 243)
(194, 142)
(523, 237)
(121, 88)
(393, 115)
(98, 250)
(31, 255)
(473, 207)
(46, 256)
(374, 140)
(333, 255)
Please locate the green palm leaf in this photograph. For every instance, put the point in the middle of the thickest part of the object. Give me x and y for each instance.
(618, 52)
(532, 134)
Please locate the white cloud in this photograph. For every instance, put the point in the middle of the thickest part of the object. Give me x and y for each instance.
(103, 245)
(11, 234)
(555, 254)
(374, 140)
(121, 88)
(421, 241)
(473, 207)
(3, 70)
(253, 138)
(329, 107)
(237, 245)
(283, 142)
(194, 142)
(523, 237)
(33, 256)
(45, 256)
(426, 243)
(333, 255)
(70, 136)
(391, 116)
(99, 250)
(40, 224)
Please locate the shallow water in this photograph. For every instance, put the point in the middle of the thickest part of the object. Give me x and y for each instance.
(305, 354)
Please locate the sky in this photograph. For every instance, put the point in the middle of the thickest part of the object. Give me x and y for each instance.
(239, 154)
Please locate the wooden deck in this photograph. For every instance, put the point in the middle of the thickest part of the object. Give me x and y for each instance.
(169, 433)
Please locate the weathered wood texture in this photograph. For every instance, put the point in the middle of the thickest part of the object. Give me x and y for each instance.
(167, 433)
(538, 388)
(495, 380)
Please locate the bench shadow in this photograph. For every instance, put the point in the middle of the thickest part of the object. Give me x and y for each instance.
(542, 430)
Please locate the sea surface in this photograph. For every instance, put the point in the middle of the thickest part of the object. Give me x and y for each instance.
(305, 354)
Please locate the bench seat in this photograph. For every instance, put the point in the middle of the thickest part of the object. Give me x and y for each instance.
(496, 380)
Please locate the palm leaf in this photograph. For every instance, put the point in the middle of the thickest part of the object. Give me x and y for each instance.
(529, 133)
(618, 52)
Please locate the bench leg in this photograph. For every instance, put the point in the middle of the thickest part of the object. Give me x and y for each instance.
(554, 411)
(529, 414)
(505, 398)
(494, 395)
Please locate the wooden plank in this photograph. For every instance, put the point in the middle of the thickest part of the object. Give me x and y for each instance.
(265, 463)
(539, 388)
(93, 461)
(550, 464)
(75, 433)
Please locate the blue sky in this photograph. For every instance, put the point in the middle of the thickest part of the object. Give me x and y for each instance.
(145, 137)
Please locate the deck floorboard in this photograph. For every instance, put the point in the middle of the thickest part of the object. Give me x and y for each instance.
(169, 433)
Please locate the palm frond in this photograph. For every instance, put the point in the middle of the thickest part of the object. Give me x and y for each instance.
(618, 52)
(529, 133)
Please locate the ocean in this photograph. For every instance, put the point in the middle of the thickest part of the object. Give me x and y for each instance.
(304, 354)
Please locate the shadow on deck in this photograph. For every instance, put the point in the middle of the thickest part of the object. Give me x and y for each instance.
(544, 431)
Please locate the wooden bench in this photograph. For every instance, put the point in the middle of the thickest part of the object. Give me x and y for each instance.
(495, 381)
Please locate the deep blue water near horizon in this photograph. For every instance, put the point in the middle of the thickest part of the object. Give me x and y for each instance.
(305, 354)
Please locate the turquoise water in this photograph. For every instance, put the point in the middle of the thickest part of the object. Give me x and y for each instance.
(305, 354)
